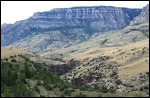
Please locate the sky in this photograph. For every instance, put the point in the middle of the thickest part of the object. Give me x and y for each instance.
(12, 11)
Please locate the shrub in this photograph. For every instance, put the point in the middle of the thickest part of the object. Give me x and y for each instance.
(11, 56)
(114, 73)
(83, 88)
(67, 92)
(138, 94)
(62, 88)
(13, 60)
(28, 73)
(141, 89)
(79, 95)
(36, 89)
(22, 77)
(147, 72)
(111, 90)
(96, 88)
(6, 59)
(38, 83)
(48, 87)
(56, 85)
(7, 93)
(62, 95)
(118, 82)
(145, 87)
(90, 89)
(25, 58)
(105, 90)
(100, 95)
(74, 87)
(42, 95)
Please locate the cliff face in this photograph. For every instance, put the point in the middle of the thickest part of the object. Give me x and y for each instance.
(70, 25)
(143, 17)
(96, 18)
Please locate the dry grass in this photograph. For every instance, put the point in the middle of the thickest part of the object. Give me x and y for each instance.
(137, 64)
(133, 69)
(7, 52)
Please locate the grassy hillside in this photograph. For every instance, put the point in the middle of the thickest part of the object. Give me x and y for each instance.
(30, 79)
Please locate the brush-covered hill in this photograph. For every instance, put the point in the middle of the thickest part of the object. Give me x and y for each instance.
(23, 77)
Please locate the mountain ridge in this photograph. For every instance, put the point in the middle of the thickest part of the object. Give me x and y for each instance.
(84, 22)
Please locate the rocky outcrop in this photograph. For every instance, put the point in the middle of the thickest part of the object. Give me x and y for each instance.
(86, 80)
(60, 69)
(143, 17)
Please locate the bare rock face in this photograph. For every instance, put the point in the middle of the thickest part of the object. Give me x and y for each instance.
(98, 18)
(143, 17)
(73, 25)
